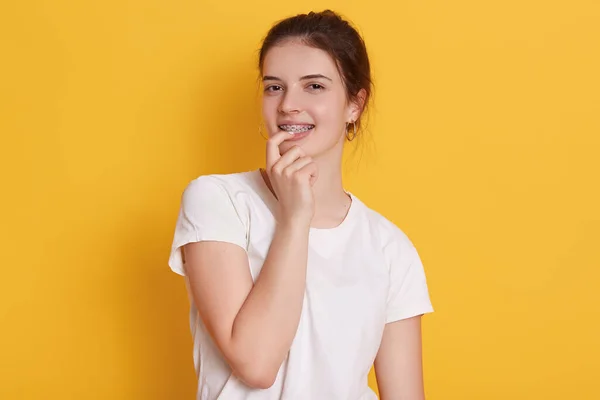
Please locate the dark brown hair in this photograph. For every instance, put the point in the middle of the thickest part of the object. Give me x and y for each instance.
(328, 31)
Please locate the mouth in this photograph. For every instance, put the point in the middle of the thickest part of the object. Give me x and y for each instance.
(297, 128)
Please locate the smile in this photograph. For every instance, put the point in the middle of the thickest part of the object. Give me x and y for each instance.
(296, 128)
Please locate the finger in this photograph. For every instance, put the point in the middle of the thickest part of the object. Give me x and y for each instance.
(296, 165)
(311, 171)
(273, 143)
(288, 158)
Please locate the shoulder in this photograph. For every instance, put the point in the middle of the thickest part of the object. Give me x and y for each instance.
(398, 251)
(388, 235)
(218, 193)
(209, 185)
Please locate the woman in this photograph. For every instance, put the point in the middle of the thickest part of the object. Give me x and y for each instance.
(296, 286)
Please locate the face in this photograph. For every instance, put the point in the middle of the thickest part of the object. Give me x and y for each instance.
(304, 93)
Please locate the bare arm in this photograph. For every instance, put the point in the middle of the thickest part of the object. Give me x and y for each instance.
(398, 365)
(254, 325)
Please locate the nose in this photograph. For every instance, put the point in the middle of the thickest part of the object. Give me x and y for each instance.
(290, 103)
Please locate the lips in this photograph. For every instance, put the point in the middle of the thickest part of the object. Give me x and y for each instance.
(296, 128)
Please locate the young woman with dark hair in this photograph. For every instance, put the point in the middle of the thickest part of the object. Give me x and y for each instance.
(296, 286)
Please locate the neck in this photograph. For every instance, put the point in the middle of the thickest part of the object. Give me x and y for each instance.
(331, 201)
(329, 188)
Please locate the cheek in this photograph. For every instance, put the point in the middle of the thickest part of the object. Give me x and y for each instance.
(267, 106)
(269, 112)
(328, 115)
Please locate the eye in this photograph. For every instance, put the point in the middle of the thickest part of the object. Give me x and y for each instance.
(316, 87)
(273, 88)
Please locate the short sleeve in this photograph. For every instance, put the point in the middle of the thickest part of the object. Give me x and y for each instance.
(408, 294)
(207, 213)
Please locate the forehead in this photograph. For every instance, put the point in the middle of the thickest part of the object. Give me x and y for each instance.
(293, 60)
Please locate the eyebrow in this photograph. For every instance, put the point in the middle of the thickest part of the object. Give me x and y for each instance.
(305, 77)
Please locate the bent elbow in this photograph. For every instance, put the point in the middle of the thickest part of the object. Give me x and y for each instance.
(256, 381)
(256, 376)
(255, 367)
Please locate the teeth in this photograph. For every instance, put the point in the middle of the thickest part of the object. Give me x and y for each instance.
(296, 128)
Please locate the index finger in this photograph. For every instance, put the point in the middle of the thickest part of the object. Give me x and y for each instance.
(273, 143)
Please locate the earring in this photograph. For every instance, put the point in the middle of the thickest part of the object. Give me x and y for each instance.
(352, 136)
(260, 130)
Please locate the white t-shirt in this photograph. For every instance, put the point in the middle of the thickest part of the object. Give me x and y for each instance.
(361, 275)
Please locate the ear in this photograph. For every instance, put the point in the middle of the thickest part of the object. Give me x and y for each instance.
(357, 106)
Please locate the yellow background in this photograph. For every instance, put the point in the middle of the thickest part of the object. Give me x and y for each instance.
(483, 147)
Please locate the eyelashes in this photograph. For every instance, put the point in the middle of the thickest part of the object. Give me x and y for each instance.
(272, 88)
(312, 87)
